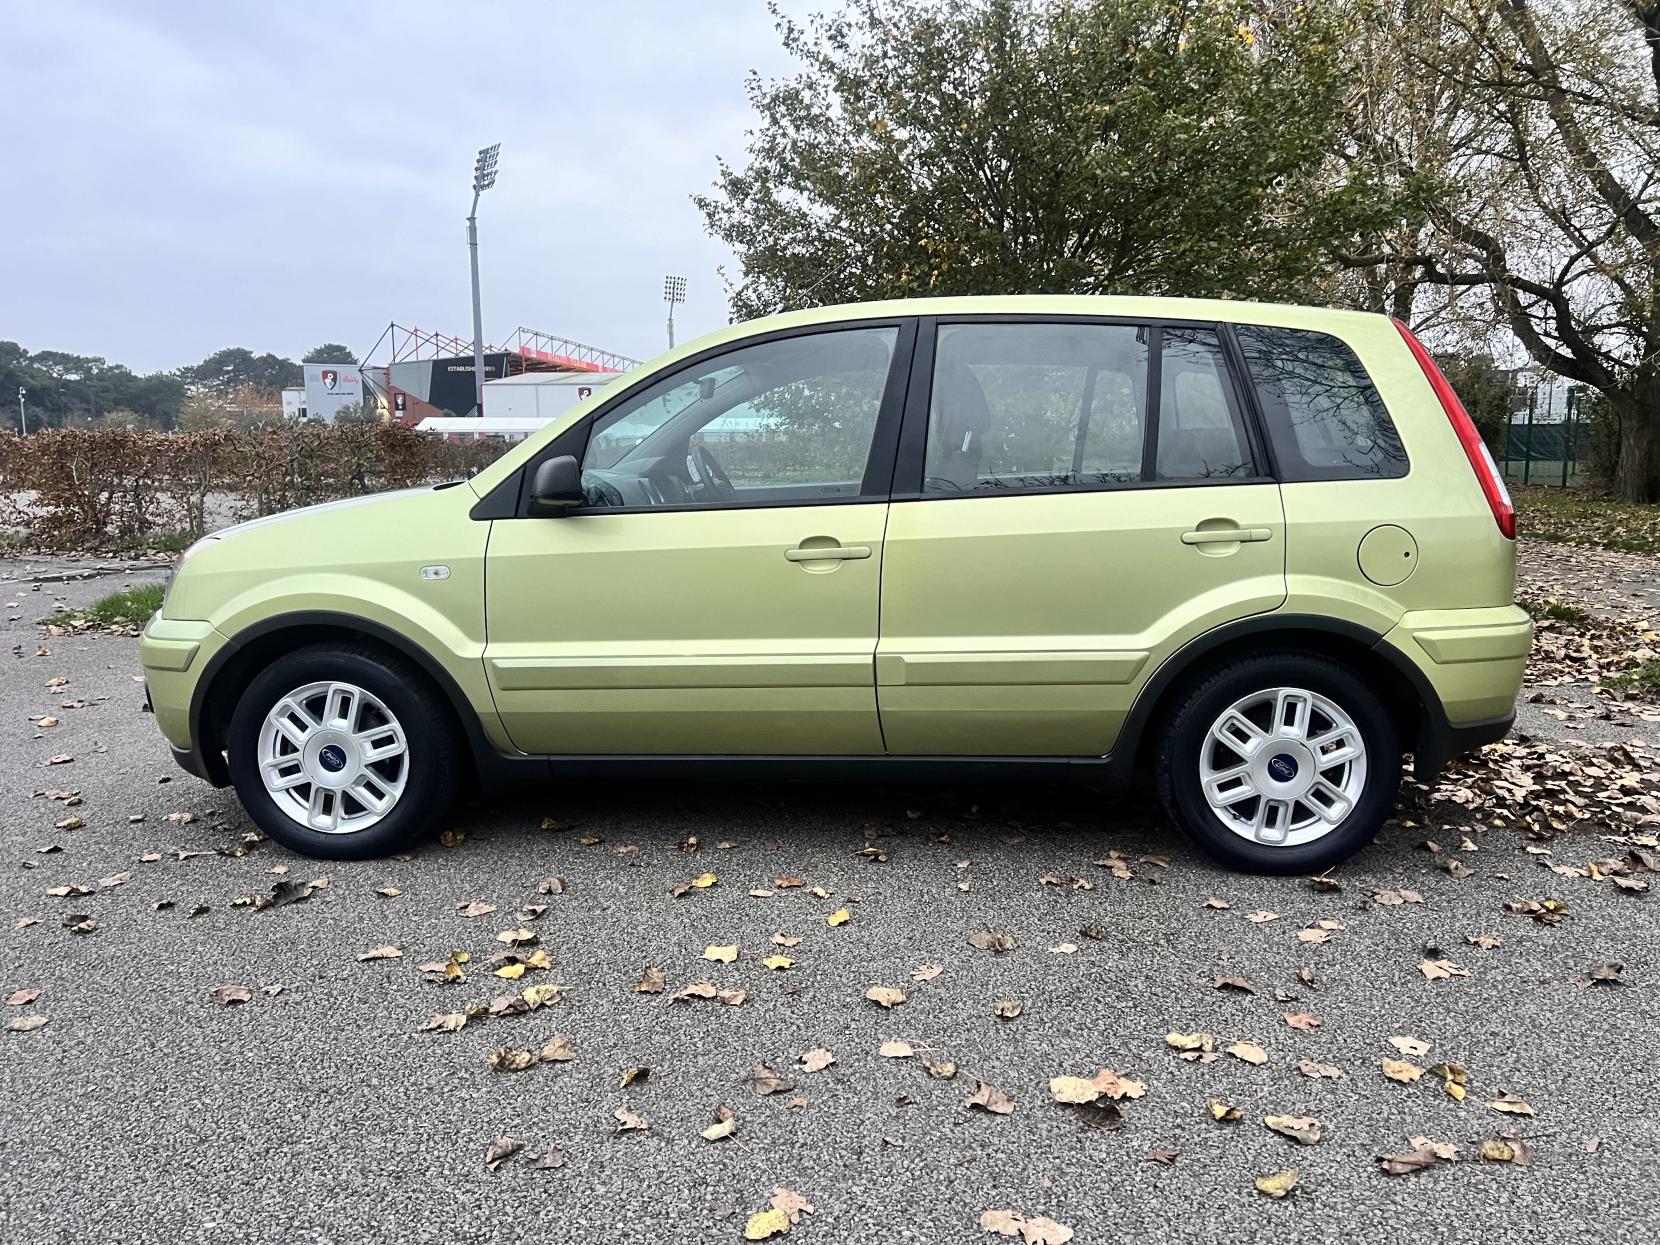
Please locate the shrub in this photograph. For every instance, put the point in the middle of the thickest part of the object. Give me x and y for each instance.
(93, 488)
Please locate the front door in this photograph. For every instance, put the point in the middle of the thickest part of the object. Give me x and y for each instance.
(1062, 543)
(718, 593)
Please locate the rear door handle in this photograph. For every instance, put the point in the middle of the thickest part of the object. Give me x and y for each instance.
(828, 553)
(1227, 536)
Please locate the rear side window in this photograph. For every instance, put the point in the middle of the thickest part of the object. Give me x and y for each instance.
(1201, 436)
(1324, 417)
(1024, 407)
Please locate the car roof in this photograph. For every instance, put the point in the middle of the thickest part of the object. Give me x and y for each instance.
(1133, 306)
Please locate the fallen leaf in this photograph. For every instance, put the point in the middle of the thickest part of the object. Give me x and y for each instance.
(885, 996)
(816, 1060)
(630, 1121)
(1007, 1009)
(1410, 1046)
(1453, 1079)
(1222, 1112)
(548, 1160)
(1190, 1041)
(840, 916)
(1436, 970)
(558, 1049)
(942, 1070)
(1408, 1161)
(224, 996)
(633, 1075)
(1250, 1052)
(446, 1022)
(1277, 1185)
(992, 940)
(1506, 1150)
(721, 955)
(1232, 983)
(720, 1130)
(1402, 1071)
(766, 1081)
(382, 953)
(476, 908)
(507, 1059)
(25, 1024)
(778, 963)
(1304, 1129)
(927, 972)
(766, 1223)
(1511, 1105)
(1318, 1071)
(500, 1150)
(651, 982)
(22, 998)
(895, 1050)
(791, 1203)
(989, 1098)
(1034, 1230)
(1302, 1020)
(1257, 918)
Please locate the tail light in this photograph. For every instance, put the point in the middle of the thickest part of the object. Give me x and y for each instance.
(1481, 458)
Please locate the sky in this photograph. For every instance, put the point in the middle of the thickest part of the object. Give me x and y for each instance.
(180, 177)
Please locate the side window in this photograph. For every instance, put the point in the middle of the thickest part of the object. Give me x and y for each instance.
(1036, 406)
(1323, 414)
(1201, 433)
(786, 420)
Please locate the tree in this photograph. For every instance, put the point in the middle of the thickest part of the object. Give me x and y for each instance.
(329, 352)
(237, 367)
(1547, 201)
(1488, 391)
(975, 146)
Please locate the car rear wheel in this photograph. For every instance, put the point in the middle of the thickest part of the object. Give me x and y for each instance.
(1283, 762)
(344, 752)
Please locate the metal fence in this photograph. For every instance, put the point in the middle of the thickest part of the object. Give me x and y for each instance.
(1550, 441)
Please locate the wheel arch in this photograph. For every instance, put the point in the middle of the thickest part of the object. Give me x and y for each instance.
(1404, 689)
(235, 665)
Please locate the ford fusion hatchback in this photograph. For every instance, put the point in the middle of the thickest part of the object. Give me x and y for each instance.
(1255, 553)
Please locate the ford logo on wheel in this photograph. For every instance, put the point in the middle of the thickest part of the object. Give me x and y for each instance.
(1282, 767)
(333, 758)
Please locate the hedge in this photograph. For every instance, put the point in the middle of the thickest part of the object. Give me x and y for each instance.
(92, 488)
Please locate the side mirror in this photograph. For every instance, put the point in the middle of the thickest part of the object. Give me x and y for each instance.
(556, 487)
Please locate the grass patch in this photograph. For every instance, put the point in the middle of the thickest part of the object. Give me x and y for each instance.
(1575, 517)
(1554, 611)
(1645, 678)
(157, 542)
(130, 607)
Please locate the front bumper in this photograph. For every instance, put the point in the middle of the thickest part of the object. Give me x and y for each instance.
(174, 654)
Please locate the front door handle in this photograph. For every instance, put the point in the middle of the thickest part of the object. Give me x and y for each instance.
(828, 553)
(1227, 536)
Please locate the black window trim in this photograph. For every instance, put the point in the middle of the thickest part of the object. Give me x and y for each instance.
(511, 500)
(913, 436)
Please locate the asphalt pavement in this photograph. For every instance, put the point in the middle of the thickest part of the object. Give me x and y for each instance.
(141, 1111)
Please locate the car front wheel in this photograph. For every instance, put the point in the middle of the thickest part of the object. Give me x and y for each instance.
(343, 752)
(1280, 763)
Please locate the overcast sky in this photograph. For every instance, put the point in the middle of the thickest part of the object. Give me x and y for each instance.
(180, 177)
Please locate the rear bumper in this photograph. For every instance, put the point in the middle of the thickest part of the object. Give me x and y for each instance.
(1470, 664)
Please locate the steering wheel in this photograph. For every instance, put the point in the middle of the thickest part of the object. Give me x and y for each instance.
(721, 482)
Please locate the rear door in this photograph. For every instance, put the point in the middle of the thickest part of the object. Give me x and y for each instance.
(1074, 500)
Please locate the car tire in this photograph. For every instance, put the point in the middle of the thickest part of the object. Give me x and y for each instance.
(340, 729)
(1255, 763)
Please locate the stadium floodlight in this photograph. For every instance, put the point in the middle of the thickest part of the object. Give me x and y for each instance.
(674, 291)
(484, 177)
(22, 416)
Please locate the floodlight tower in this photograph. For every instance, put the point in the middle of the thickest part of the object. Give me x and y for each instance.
(674, 291)
(484, 177)
(22, 416)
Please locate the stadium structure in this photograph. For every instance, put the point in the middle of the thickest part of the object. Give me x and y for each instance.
(425, 374)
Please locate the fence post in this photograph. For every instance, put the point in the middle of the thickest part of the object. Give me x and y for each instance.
(1527, 453)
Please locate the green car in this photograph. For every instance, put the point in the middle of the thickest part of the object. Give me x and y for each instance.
(1256, 553)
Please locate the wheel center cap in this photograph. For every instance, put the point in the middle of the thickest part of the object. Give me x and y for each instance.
(1285, 769)
(333, 758)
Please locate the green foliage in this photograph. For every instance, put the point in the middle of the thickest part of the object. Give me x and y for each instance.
(329, 352)
(1487, 392)
(1645, 678)
(66, 389)
(1554, 611)
(1575, 517)
(130, 607)
(236, 367)
(979, 146)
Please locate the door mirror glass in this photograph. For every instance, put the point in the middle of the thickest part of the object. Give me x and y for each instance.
(556, 487)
